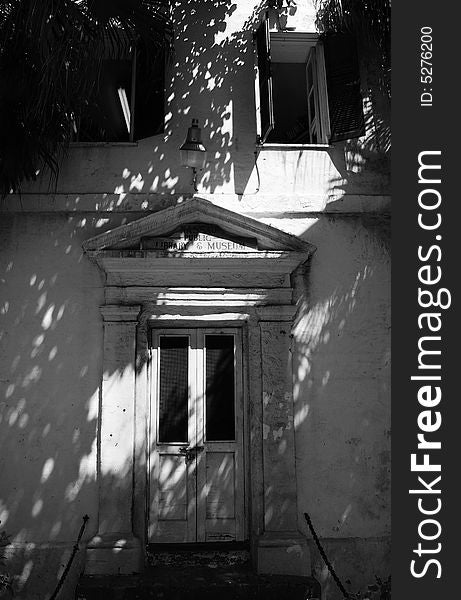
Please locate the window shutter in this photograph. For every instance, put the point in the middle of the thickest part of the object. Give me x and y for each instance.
(343, 85)
(265, 79)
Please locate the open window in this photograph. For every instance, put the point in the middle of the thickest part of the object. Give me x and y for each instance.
(128, 100)
(309, 87)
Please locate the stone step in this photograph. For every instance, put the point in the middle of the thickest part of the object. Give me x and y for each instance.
(214, 555)
(164, 583)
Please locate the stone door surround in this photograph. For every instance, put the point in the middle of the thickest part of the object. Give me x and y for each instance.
(196, 264)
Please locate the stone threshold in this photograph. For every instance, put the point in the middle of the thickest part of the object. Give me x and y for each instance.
(205, 554)
(197, 583)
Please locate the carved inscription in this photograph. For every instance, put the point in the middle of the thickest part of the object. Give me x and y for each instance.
(199, 238)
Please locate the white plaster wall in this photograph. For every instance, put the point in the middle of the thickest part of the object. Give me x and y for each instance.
(51, 342)
(211, 76)
(341, 379)
(341, 370)
(342, 398)
(50, 367)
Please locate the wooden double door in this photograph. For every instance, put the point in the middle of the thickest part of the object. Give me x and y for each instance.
(196, 460)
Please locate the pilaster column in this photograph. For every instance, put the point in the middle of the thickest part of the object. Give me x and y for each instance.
(281, 548)
(115, 549)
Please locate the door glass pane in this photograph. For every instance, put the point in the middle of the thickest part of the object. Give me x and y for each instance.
(220, 387)
(174, 389)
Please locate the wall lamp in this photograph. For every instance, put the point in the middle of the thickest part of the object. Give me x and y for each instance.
(193, 152)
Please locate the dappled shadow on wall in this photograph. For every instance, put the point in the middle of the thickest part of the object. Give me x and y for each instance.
(341, 387)
(209, 76)
(363, 163)
(52, 364)
(214, 74)
(51, 344)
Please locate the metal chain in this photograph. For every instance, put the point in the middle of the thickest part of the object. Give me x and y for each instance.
(346, 595)
(72, 556)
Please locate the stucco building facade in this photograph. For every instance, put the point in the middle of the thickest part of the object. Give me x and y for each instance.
(123, 283)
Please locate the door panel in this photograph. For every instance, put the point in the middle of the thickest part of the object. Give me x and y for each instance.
(172, 485)
(220, 523)
(197, 484)
(173, 506)
(172, 514)
(223, 509)
(220, 485)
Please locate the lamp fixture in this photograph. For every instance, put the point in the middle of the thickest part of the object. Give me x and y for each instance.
(193, 152)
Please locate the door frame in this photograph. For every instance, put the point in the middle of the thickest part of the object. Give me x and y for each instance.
(198, 330)
(250, 289)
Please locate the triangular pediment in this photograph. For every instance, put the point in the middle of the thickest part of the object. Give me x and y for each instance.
(196, 225)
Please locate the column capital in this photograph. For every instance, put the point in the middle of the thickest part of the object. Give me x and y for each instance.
(284, 312)
(117, 312)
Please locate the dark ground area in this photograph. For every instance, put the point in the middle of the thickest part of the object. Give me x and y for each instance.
(197, 583)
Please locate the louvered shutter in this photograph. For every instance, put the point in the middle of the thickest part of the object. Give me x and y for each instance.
(265, 79)
(343, 85)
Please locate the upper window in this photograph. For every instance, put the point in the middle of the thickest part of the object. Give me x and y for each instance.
(309, 89)
(128, 100)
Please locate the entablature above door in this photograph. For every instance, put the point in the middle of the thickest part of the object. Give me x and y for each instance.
(197, 244)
